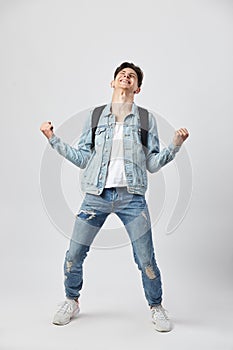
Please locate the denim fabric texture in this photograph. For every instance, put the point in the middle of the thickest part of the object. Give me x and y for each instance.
(133, 212)
(136, 161)
(128, 203)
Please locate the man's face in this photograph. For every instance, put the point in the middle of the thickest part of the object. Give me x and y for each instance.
(127, 79)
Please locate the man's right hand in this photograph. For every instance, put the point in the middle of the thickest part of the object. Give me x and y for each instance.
(47, 129)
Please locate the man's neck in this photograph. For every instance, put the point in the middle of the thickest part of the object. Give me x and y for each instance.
(121, 104)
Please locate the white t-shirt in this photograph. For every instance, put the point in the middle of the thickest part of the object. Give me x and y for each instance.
(116, 169)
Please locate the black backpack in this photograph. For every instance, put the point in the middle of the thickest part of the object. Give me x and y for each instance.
(143, 114)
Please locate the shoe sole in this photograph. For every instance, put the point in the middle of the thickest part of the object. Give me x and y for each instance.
(161, 330)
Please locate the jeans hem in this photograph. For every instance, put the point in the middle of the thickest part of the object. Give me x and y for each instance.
(152, 305)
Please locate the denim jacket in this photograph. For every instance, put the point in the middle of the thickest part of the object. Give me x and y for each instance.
(136, 159)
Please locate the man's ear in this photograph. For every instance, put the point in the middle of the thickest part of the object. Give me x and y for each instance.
(113, 84)
(137, 90)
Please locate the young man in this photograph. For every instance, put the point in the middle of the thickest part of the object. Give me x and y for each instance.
(115, 181)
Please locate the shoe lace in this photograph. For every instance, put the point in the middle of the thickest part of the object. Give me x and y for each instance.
(160, 312)
(65, 307)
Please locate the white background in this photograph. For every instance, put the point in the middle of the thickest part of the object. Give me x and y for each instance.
(58, 58)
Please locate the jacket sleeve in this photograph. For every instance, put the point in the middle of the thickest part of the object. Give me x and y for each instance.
(77, 155)
(155, 158)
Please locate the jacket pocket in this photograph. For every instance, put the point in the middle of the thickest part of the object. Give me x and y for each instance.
(100, 135)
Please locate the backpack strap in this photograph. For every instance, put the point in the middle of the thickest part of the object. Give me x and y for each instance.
(94, 122)
(144, 120)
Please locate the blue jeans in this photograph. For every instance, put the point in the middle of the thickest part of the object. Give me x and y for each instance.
(133, 211)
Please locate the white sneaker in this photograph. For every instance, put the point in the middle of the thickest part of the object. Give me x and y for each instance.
(160, 319)
(68, 309)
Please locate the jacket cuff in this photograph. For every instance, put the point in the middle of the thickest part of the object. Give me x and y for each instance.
(173, 149)
(54, 139)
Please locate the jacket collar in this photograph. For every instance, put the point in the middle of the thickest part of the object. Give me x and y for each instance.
(107, 110)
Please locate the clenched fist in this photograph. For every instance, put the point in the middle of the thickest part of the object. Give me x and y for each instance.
(180, 136)
(47, 129)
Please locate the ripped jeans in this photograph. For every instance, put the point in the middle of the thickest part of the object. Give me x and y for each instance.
(133, 212)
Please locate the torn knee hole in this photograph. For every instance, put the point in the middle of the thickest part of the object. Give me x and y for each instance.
(86, 214)
(150, 272)
(68, 265)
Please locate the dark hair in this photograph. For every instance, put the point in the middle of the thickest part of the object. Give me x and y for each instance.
(137, 70)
